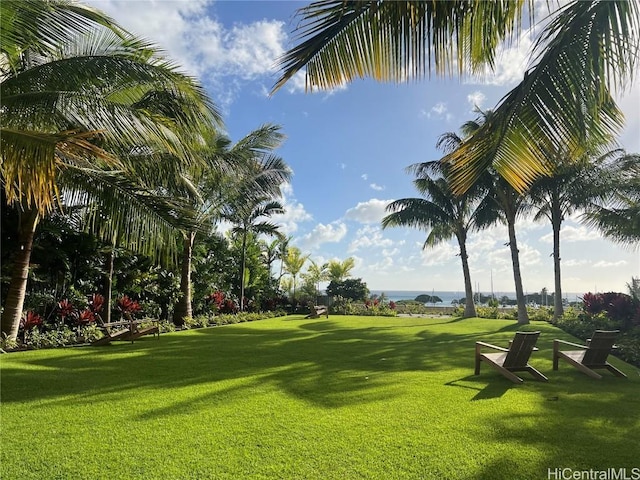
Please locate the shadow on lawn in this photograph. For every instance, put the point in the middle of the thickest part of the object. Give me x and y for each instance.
(320, 362)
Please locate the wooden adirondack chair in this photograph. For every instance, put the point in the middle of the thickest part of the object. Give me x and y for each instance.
(512, 359)
(592, 356)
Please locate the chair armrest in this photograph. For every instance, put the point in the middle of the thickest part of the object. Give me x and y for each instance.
(484, 344)
(570, 343)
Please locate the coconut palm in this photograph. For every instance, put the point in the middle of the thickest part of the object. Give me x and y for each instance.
(574, 185)
(293, 263)
(441, 213)
(338, 271)
(81, 98)
(584, 51)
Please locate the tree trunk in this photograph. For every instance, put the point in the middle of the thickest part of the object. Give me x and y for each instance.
(109, 284)
(556, 221)
(469, 307)
(183, 307)
(242, 267)
(18, 286)
(523, 317)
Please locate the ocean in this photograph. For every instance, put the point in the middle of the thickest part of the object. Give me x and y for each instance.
(448, 297)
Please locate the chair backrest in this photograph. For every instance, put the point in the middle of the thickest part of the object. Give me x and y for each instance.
(600, 346)
(520, 349)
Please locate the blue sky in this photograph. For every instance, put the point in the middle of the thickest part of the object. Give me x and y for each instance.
(349, 147)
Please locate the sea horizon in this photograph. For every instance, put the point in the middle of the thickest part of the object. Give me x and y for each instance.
(448, 296)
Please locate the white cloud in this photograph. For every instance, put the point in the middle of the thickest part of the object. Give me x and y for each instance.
(342, 166)
(368, 237)
(377, 187)
(571, 234)
(331, 233)
(364, 176)
(605, 264)
(575, 263)
(476, 99)
(371, 211)
(443, 253)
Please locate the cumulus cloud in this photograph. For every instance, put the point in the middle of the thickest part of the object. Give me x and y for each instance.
(368, 237)
(476, 99)
(377, 187)
(364, 176)
(331, 233)
(371, 211)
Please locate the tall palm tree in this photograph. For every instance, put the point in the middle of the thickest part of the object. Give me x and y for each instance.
(338, 271)
(586, 50)
(574, 185)
(211, 186)
(249, 217)
(443, 214)
(293, 263)
(80, 98)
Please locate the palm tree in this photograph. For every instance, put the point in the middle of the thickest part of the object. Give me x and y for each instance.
(210, 186)
(573, 186)
(249, 217)
(504, 204)
(442, 214)
(293, 263)
(338, 271)
(316, 273)
(618, 216)
(586, 50)
(80, 98)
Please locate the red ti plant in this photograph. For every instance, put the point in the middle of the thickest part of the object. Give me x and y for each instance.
(392, 305)
(86, 317)
(31, 320)
(65, 310)
(96, 304)
(126, 306)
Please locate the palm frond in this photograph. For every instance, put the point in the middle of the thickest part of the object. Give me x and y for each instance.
(396, 40)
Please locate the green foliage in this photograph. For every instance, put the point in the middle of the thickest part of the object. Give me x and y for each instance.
(351, 288)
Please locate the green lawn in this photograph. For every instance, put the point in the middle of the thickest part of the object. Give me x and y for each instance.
(287, 398)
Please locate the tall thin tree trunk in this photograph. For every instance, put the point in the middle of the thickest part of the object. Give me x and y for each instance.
(242, 267)
(523, 316)
(14, 301)
(556, 221)
(109, 283)
(183, 307)
(469, 307)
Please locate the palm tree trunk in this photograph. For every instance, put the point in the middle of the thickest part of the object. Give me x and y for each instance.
(242, 267)
(469, 307)
(14, 302)
(183, 307)
(556, 221)
(523, 317)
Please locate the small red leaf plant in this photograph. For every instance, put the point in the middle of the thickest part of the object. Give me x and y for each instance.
(127, 307)
(30, 321)
(66, 312)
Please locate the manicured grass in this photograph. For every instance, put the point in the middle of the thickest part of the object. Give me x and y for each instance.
(344, 398)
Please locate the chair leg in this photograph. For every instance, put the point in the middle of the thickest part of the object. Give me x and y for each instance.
(478, 350)
(537, 374)
(615, 371)
(556, 347)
